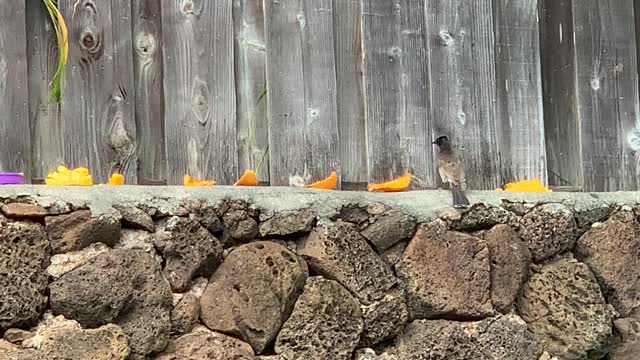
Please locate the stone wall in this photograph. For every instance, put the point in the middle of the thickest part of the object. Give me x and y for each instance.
(280, 273)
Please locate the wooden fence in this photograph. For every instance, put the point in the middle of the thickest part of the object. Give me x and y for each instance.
(298, 88)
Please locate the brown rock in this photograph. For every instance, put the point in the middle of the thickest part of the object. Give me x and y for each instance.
(612, 252)
(253, 292)
(77, 230)
(24, 211)
(240, 225)
(288, 223)
(339, 252)
(389, 228)
(205, 344)
(563, 306)
(63, 263)
(184, 316)
(629, 346)
(17, 335)
(384, 319)
(479, 216)
(510, 259)
(24, 256)
(392, 255)
(135, 218)
(548, 230)
(446, 273)
(189, 250)
(325, 324)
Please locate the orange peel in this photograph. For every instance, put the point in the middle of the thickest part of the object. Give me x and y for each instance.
(249, 178)
(328, 183)
(400, 183)
(188, 180)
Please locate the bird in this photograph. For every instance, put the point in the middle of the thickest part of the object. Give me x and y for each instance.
(451, 170)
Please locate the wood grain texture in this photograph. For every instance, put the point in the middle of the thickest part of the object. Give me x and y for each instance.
(463, 78)
(301, 88)
(562, 124)
(149, 89)
(397, 92)
(519, 91)
(607, 91)
(98, 105)
(200, 111)
(250, 75)
(47, 128)
(15, 147)
(350, 97)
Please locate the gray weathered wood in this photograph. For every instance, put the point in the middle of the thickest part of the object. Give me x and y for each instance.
(397, 92)
(607, 92)
(562, 125)
(463, 81)
(15, 148)
(47, 138)
(519, 91)
(200, 111)
(98, 105)
(301, 88)
(149, 90)
(350, 97)
(250, 75)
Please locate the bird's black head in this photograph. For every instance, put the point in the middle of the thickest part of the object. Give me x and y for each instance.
(442, 142)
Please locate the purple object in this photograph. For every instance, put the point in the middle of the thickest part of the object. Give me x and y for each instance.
(11, 178)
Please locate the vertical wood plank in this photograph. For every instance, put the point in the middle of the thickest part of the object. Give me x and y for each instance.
(149, 89)
(397, 94)
(562, 124)
(15, 148)
(98, 105)
(350, 101)
(607, 92)
(463, 78)
(250, 76)
(519, 91)
(301, 88)
(200, 113)
(45, 120)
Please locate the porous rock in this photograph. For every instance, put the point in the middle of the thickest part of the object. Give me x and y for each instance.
(24, 256)
(628, 346)
(189, 250)
(253, 292)
(79, 229)
(562, 304)
(135, 218)
(203, 343)
(478, 216)
(446, 273)
(612, 252)
(185, 314)
(288, 223)
(510, 259)
(339, 252)
(389, 228)
(392, 255)
(24, 211)
(16, 336)
(240, 225)
(548, 230)
(497, 338)
(63, 263)
(326, 323)
(125, 287)
(140, 240)
(384, 318)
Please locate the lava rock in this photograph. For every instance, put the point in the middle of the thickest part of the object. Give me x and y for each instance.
(24, 211)
(548, 230)
(63, 263)
(384, 319)
(478, 217)
(135, 218)
(240, 225)
(389, 228)
(628, 347)
(288, 223)
(79, 229)
(185, 314)
(203, 343)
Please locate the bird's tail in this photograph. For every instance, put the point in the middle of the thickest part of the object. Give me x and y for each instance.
(459, 198)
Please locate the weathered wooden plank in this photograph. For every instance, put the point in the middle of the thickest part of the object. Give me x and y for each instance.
(562, 125)
(301, 88)
(250, 75)
(463, 75)
(44, 115)
(15, 147)
(397, 93)
(98, 105)
(519, 91)
(607, 91)
(350, 97)
(149, 89)
(200, 114)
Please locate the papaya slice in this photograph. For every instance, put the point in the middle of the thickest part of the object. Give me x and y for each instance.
(188, 180)
(328, 183)
(400, 183)
(249, 178)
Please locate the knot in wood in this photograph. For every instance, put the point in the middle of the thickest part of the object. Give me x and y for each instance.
(145, 44)
(90, 41)
(445, 38)
(191, 7)
(595, 83)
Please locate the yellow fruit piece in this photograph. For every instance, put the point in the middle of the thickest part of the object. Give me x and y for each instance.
(188, 180)
(249, 178)
(531, 185)
(398, 184)
(116, 179)
(328, 183)
(65, 177)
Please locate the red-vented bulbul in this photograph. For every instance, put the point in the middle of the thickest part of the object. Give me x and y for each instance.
(451, 169)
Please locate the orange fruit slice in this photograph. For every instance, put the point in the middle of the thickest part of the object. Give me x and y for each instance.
(328, 183)
(249, 178)
(116, 179)
(188, 180)
(400, 183)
